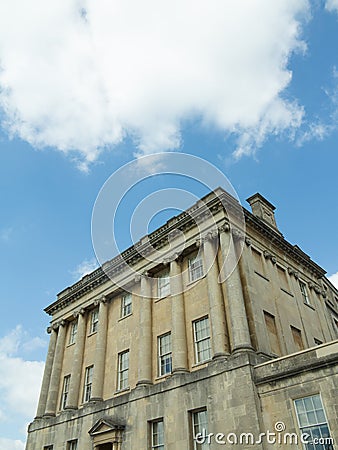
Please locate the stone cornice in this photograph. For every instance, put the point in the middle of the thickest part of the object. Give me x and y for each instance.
(210, 204)
(278, 241)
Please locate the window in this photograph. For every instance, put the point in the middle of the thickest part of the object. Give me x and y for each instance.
(65, 391)
(163, 285)
(272, 333)
(48, 447)
(303, 290)
(258, 262)
(312, 421)
(164, 354)
(200, 425)
(317, 341)
(94, 324)
(88, 383)
(195, 268)
(297, 338)
(202, 340)
(123, 369)
(73, 331)
(157, 435)
(283, 278)
(72, 445)
(126, 305)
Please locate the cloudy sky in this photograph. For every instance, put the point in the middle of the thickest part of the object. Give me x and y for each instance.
(86, 87)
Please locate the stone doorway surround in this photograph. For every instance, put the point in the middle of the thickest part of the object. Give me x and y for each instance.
(106, 434)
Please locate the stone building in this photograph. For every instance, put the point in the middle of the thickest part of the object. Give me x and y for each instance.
(188, 354)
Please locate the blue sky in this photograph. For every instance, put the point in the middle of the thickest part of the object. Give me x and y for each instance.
(250, 87)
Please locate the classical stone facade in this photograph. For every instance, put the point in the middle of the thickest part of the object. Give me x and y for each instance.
(189, 354)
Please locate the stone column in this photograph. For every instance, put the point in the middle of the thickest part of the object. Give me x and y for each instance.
(75, 379)
(47, 373)
(238, 319)
(100, 353)
(178, 334)
(216, 302)
(56, 370)
(145, 334)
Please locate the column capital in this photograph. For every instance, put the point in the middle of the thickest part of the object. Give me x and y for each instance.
(79, 312)
(248, 242)
(137, 278)
(210, 236)
(238, 234)
(49, 330)
(224, 228)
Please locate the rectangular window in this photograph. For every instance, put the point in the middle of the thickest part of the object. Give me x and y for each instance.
(126, 305)
(72, 445)
(200, 426)
(283, 278)
(48, 447)
(272, 333)
(317, 341)
(88, 384)
(94, 323)
(312, 421)
(195, 268)
(163, 285)
(304, 292)
(164, 354)
(73, 331)
(297, 338)
(202, 340)
(157, 435)
(123, 370)
(258, 262)
(65, 391)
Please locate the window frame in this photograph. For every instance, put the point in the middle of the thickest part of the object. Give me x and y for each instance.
(163, 355)
(126, 308)
(88, 383)
(318, 424)
(122, 380)
(304, 292)
(163, 288)
(94, 321)
(65, 392)
(197, 341)
(73, 332)
(194, 273)
(70, 444)
(153, 432)
(194, 424)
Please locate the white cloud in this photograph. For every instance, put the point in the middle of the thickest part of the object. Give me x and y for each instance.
(332, 5)
(84, 268)
(11, 444)
(334, 279)
(20, 381)
(81, 76)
